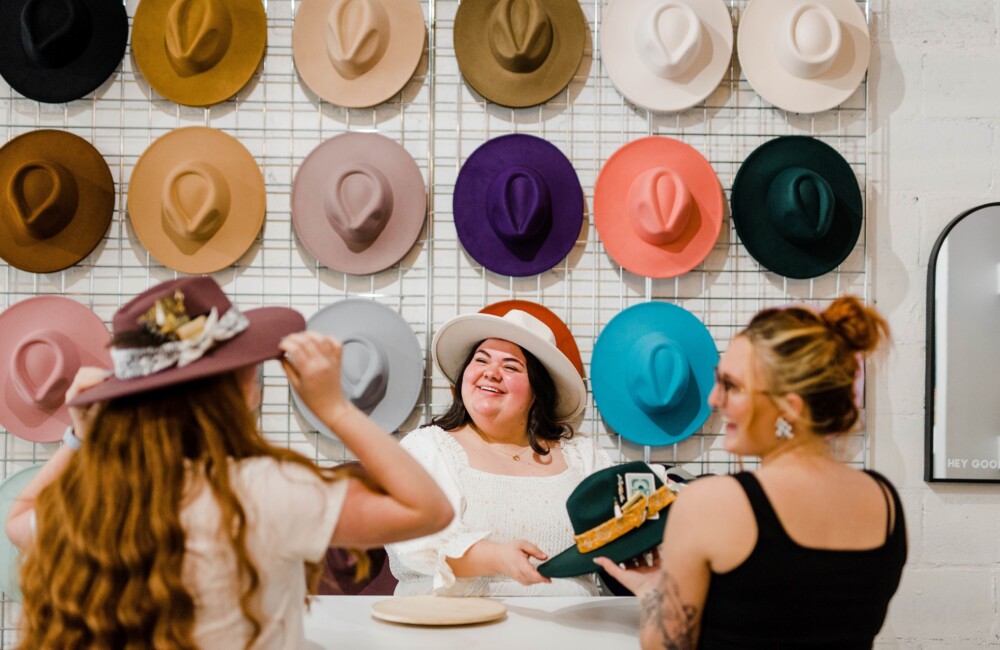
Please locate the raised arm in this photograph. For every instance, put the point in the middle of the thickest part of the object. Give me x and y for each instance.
(411, 505)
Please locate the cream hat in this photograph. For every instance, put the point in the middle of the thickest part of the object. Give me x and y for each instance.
(357, 53)
(666, 55)
(804, 56)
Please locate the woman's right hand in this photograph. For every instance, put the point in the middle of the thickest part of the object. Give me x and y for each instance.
(312, 364)
(83, 416)
(512, 560)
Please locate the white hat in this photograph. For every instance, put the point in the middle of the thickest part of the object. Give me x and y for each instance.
(453, 343)
(666, 55)
(804, 56)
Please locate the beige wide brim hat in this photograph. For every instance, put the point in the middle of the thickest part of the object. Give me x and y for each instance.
(358, 203)
(804, 56)
(196, 200)
(357, 53)
(198, 52)
(666, 55)
(514, 64)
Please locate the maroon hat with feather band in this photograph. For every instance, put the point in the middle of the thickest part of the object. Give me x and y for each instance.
(187, 329)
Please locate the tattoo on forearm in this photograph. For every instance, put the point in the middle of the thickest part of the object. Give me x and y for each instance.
(674, 622)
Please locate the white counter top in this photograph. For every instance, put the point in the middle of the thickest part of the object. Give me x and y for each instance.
(555, 623)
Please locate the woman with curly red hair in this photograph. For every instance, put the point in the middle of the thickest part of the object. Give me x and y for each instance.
(175, 524)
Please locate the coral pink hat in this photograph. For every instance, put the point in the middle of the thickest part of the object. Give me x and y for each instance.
(658, 207)
(43, 342)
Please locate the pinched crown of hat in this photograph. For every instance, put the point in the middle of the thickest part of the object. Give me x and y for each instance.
(186, 329)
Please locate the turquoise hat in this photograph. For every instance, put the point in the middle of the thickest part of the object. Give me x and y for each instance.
(651, 371)
(797, 206)
(12, 486)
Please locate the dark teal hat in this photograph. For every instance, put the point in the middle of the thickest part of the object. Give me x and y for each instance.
(797, 206)
(594, 502)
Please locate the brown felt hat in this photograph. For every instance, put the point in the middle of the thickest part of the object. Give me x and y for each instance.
(357, 53)
(196, 199)
(58, 200)
(519, 52)
(198, 52)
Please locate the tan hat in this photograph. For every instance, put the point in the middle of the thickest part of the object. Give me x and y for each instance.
(198, 52)
(804, 56)
(519, 52)
(196, 199)
(59, 197)
(357, 53)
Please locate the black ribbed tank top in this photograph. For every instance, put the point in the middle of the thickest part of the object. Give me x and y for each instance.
(788, 596)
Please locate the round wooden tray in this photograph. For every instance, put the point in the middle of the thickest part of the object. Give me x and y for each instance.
(438, 610)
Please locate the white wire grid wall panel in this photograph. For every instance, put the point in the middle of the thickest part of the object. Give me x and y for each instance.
(440, 120)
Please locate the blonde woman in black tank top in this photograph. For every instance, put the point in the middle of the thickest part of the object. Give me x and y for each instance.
(805, 552)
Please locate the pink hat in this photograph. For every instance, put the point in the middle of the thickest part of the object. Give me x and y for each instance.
(658, 207)
(358, 202)
(43, 342)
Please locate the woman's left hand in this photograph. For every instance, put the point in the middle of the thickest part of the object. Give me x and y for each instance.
(638, 579)
(83, 416)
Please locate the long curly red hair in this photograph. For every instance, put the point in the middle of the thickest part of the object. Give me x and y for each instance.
(105, 567)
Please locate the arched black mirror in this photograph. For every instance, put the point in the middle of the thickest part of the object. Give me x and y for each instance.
(962, 401)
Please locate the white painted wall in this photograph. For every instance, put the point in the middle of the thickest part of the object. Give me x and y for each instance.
(934, 87)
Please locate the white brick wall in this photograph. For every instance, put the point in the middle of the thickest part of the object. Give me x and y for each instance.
(935, 99)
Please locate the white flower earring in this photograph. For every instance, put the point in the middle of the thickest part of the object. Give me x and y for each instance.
(783, 429)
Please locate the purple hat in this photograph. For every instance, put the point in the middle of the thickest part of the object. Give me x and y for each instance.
(518, 205)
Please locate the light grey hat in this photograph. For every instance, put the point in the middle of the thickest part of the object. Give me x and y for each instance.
(382, 368)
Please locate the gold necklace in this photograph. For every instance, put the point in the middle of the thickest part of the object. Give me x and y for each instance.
(515, 457)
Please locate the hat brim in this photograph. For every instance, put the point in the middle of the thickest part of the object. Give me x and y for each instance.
(487, 77)
(609, 368)
(453, 343)
(388, 76)
(247, 199)
(572, 562)
(358, 317)
(98, 60)
(469, 204)
(756, 230)
(87, 333)
(94, 209)
(409, 205)
(633, 78)
(614, 223)
(564, 338)
(219, 82)
(259, 342)
(10, 489)
(758, 34)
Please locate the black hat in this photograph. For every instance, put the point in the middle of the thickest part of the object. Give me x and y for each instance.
(59, 50)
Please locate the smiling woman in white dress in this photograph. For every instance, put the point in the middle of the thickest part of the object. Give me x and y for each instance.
(506, 455)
